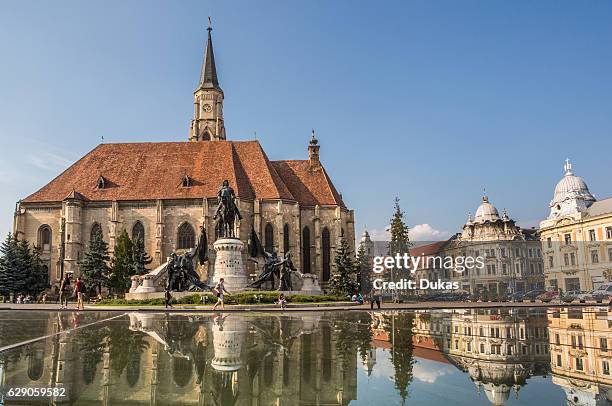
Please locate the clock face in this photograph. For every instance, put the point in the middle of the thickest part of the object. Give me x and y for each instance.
(207, 108)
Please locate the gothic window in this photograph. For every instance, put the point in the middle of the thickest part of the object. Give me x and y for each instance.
(186, 237)
(96, 228)
(44, 238)
(133, 368)
(326, 246)
(138, 232)
(269, 238)
(182, 368)
(286, 247)
(306, 250)
(36, 365)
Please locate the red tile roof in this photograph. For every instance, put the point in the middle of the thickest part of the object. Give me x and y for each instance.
(154, 170)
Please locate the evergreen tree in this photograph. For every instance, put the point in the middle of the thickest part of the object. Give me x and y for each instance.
(39, 274)
(122, 267)
(94, 267)
(140, 258)
(343, 280)
(9, 264)
(400, 242)
(363, 270)
(26, 276)
(399, 328)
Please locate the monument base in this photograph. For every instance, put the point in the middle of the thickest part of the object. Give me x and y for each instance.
(229, 264)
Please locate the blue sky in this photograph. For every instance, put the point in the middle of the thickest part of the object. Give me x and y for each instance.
(430, 101)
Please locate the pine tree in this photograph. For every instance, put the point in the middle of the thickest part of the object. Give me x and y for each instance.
(122, 267)
(9, 263)
(363, 270)
(25, 276)
(400, 241)
(399, 328)
(94, 267)
(140, 258)
(343, 280)
(39, 273)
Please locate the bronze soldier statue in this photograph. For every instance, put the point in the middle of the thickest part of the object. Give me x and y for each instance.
(227, 211)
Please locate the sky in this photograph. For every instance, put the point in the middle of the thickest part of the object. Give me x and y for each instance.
(432, 102)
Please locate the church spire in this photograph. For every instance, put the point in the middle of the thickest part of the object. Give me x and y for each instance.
(208, 75)
(207, 123)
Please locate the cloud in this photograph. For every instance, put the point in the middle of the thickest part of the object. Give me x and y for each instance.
(378, 234)
(425, 232)
(429, 372)
(48, 160)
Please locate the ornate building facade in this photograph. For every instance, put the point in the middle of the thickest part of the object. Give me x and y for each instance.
(577, 236)
(164, 191)
(513, 258)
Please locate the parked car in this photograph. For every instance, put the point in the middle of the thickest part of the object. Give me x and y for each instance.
(573, 294)
(548, 295)
(603, 292)
(533, 294)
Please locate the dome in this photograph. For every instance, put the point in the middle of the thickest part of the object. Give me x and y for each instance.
(571, 187)
(486, 212)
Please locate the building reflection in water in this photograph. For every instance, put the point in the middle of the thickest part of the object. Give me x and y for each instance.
(313, 358)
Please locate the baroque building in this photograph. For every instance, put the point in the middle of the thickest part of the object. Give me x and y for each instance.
(512, 255)
(577, 236)
(164, 191)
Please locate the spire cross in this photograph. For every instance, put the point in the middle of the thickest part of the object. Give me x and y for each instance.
(568, 166)
(209, 29)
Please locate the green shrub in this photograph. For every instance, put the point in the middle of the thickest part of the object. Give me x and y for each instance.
(256, 297)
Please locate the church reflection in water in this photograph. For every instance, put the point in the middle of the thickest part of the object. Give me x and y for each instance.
(315, 358)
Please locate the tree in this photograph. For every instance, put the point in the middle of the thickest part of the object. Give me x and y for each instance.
(39, 274)
(94, 267)
(343, 280)
(122, 267)
(399, 328)
(32, 275)
(9, 266)
(363, 270)
(140, 258)
(400, 241)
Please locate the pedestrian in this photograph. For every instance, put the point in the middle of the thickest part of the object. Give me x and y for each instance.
(282, 300)
(64, 288)
(168, 297)
(374, 297)
(218, 290)
(78, 292)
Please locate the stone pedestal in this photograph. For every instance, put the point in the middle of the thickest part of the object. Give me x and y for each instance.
(310, 285)
(229, 334)
(229, 264)
(148, 284)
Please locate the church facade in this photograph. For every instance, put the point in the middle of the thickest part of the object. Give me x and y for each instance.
(164, 191)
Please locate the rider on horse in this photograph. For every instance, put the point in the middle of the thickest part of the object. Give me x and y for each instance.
(227, 210)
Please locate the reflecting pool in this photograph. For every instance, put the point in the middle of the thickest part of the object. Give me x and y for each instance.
(465, 357)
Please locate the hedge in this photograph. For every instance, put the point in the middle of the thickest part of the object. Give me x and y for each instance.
(237, 298)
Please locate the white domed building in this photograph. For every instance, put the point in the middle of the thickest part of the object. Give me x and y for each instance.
(577, 236)
(512, 255)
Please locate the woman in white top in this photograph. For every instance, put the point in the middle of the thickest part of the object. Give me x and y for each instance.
(219, 289)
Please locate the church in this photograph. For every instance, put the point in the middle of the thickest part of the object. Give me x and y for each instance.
(164, 192)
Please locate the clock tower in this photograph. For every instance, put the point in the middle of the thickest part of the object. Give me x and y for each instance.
(207, 123)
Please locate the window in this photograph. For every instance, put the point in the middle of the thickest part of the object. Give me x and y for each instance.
(605, 367)
(567, 238)
(531, 269)
(557, 339)
(101, 184)
(96, 229)
(566, 259)
(504, 269)
(609, 233)
(186, 181)
(306, 250)
(549, 242)
(530, 253)
(186, 237)
(269, 238)
(592, 236)
(559, 363)
(594, 257)
(326, 245)
(572, 258)
(138, 232)
(603, 344)
(610, 254)
(551, 262)
(469, 346)
(286, 246)
(482, 348)
(572, 284)
(579, 364)
(44, 238)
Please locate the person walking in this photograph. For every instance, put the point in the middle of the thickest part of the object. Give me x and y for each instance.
(63, 295)
(219, 289)
(168, 297)
(78, 292)
(374, 297)
(282, 301)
